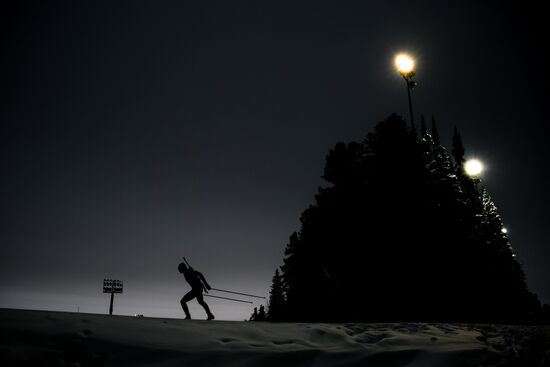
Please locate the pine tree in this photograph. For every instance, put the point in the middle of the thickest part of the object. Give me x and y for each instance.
(423, 129)
(276, 309)
(261, 314)
(509, 286)
(293, 277)
(458, 149)
(545, 313)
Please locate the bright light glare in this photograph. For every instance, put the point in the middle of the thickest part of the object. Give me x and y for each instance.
(404, 63)
(504, 230)
(473, 167)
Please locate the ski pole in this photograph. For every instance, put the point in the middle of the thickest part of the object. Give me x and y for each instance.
(231, 299)
(242, 294)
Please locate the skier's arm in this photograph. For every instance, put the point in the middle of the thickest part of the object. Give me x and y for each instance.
(203, 280)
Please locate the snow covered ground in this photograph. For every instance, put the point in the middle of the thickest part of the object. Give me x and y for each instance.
(44, 338)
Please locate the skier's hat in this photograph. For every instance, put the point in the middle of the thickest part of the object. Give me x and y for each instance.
(182, 267)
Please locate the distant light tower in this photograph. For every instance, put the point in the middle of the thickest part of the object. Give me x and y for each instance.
(405, 65)
(473, 168)
(112, 286)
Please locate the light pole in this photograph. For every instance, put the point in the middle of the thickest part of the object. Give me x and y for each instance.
(474, 168)
(405, 66)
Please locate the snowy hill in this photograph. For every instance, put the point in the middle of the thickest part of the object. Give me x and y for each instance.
(43, 338)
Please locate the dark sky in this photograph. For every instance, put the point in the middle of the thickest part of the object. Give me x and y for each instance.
(134, 133)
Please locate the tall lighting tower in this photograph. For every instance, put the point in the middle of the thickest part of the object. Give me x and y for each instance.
(112, 286)
(405, 66)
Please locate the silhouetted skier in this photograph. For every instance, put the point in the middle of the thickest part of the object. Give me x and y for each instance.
(261, 314)
(198, 284)
(254, 314)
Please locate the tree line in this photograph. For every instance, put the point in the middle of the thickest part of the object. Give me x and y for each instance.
(400, 233)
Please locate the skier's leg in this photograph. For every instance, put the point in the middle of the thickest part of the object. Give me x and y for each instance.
(188, 297)
(200, 299)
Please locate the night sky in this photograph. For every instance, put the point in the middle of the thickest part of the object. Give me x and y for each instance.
(134, 133)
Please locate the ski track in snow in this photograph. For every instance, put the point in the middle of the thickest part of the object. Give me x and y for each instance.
(44, 338)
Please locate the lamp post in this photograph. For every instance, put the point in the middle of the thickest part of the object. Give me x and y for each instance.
(473, 168)
(405, 67)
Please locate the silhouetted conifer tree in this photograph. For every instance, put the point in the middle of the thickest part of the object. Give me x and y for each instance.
(423, 129)
(276, 309)
(545, 314)
(294, 283)
(509, 290)
(458, 148)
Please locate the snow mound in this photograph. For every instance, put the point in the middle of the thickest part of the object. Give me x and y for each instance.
(43, 338)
